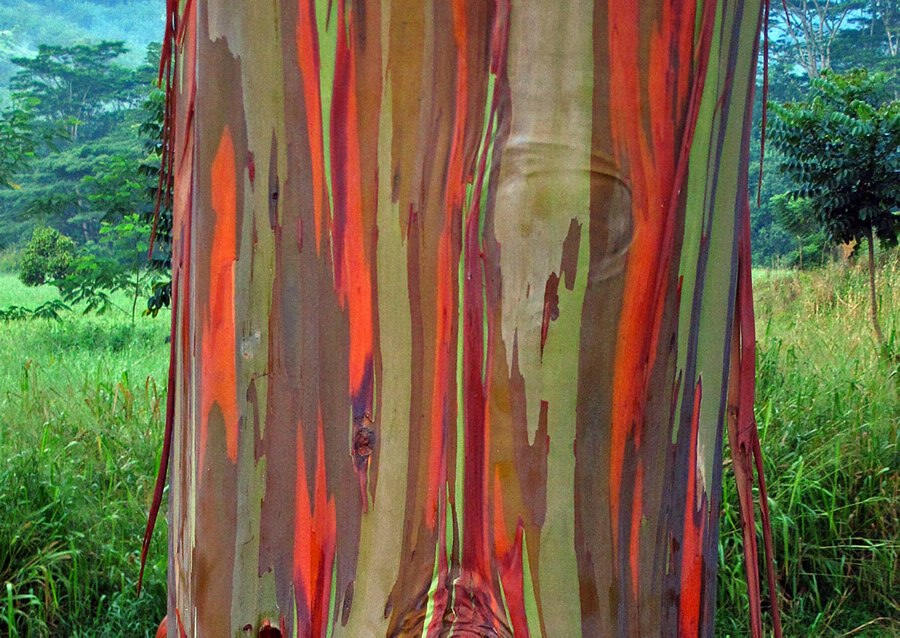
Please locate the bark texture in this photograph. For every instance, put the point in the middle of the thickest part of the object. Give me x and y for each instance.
(455, 293)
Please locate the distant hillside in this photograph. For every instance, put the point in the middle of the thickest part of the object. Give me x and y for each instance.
(24, 24)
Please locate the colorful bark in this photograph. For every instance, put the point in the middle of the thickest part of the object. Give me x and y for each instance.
(456, 290)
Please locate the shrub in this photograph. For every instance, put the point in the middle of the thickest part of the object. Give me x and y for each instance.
(47, 256)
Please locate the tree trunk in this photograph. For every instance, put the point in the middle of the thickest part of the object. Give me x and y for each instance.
(455, 288)
(873, 298)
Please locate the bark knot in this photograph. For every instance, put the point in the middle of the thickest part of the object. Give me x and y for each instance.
(363, 441)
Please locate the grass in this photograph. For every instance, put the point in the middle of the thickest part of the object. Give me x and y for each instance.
(828, 414)
(80, 429)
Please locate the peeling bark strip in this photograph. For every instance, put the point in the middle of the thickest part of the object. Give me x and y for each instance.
(457, 303)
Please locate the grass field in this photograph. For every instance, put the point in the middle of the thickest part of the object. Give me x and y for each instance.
(80, 427)
(828, 413)
(80, 430)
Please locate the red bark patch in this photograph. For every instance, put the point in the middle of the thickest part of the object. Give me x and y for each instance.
(251, 167)
(551, 306)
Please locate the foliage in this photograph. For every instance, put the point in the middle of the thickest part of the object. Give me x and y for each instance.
(47, 257)
(96, 186)
(873, 39)
(90, 278)
(810, 30)
(772, 243)
(117, 262)
(127, 243)
(28, 23)
(50, 309)
(115, 189)
(18, 141)
(65, 189)
(796, 214)
(80, 85)
(810, 38)
(94, 173)
(841, 146)
(160, 216)
(816, 36)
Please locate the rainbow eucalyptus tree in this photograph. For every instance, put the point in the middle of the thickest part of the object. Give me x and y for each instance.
(461, 309)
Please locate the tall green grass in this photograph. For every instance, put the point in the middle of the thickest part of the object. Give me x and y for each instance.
(80, 430)
(828, 414)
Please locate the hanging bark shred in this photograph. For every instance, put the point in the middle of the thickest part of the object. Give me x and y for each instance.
(171, 38)
(743, 437)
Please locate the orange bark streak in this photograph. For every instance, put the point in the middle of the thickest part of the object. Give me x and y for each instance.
(308, 61)
(314, 538)
(501, 542)
(645, 134)
(356, 280)
(218, 369)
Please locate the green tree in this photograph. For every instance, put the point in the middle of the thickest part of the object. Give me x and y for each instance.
(70, 187)
(88, 276)
(812, 36)
(81, 85)
(811, 28)
(117, 261)
(114, 190)
(47, 257)
(18, 142)
(841, 146)
(76, 184)
(24, 24)
(872, 40)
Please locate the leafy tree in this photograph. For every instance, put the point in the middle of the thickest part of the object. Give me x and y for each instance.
(99, 187)
(811, 37)
(24, 24)
(116, 189)
(67, 189)
(841, 146)
(77, 184)
(89, 277)
(81, 85)
(824, 35)
(126, 241)
(47, 257)
(18, 142)
(872, 39)
(117, 261)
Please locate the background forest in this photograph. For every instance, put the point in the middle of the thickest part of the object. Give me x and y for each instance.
(83, 354)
